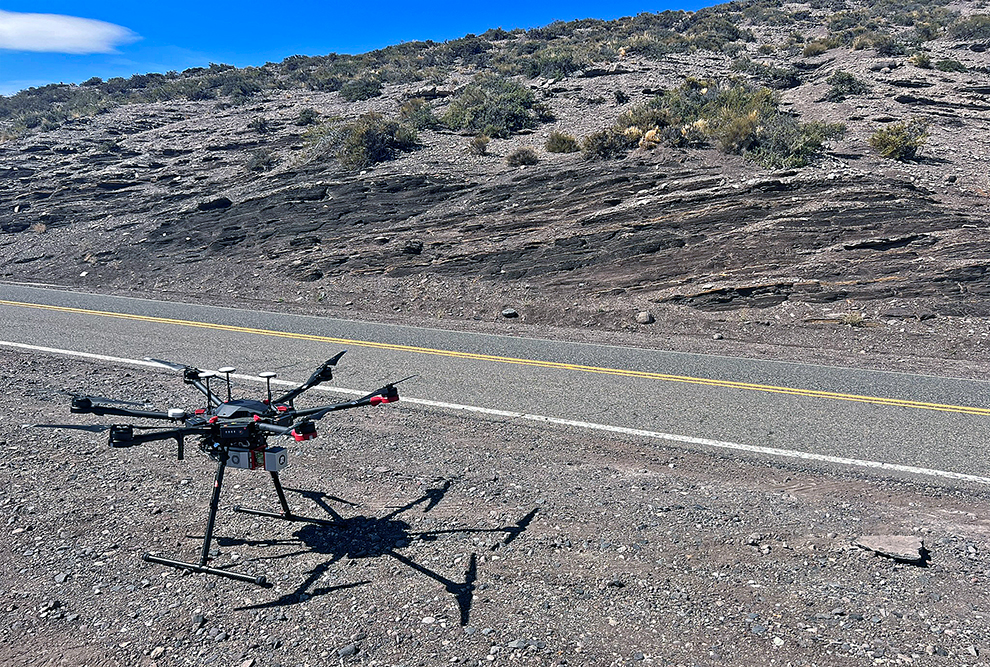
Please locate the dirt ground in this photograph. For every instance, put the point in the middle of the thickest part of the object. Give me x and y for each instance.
(468, 540)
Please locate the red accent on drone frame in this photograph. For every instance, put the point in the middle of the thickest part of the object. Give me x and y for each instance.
(300, 437)
(378, 400)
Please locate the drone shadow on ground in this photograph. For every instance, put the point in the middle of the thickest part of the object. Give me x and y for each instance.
(359, 537)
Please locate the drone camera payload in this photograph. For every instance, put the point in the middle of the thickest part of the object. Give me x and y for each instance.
(234, 433)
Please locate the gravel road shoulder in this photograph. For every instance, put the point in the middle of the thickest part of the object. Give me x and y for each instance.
(470, 540)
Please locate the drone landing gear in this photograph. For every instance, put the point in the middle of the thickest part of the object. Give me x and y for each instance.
(208, 539)
(286, 513)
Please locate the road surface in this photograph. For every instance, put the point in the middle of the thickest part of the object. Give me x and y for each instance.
(934, 424)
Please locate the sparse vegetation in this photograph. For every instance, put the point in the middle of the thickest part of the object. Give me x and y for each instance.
(417, 113)
(949, 65)
(843, 85)
(561, 142)
(261, 160)
(900, 141)
(853, 319)
(975, 27)
(479, 145)
(495, 106)
(738, 118)
(522, 157)
(554, 51)
(260, 125)
(307, 116)
(361, 88)
(372, 138)
(605, 144)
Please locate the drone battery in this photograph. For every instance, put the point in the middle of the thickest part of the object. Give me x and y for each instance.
(276, 458)
(249, 459)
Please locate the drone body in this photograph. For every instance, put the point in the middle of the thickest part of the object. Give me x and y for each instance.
(234, 433)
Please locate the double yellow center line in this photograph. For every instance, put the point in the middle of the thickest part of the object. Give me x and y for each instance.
(664, 377)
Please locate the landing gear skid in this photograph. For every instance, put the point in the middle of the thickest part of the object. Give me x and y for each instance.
(202, 566)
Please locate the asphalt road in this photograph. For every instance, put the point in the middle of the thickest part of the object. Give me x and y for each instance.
(903, 419)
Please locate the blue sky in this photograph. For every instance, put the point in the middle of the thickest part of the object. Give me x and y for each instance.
(69, 42)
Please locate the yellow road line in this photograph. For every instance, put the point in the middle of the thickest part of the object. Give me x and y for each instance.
(727, 384)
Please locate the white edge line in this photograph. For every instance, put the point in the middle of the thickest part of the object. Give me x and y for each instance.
(683, 439)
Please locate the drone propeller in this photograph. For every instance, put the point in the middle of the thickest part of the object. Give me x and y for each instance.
(168, 364)
(95, 428)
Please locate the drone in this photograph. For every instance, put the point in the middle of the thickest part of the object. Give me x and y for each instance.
(233, 432)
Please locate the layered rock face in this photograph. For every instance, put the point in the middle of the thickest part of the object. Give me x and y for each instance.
(151, 195)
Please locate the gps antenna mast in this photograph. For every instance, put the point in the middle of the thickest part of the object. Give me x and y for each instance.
(268, 375)
(227, 370)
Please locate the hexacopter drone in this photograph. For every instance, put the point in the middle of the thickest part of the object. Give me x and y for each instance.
(233, 432)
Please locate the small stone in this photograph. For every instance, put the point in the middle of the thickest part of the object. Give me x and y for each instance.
(907, 548)
(198, 620)
(757, 629)
(509, 313)
(349, 650)
(429, 620)
(248, 663)
(718, 336)
(156, 653)
(61, 577)
(518, 643)
(644, 317)
(778, 642)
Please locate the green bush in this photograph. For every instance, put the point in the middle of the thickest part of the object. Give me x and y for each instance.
(373, 138)
(900, 141)
(949, 65)
(561, 142)
(975, 27)
(495, 106)
(417, 113)
(843, 85)
(522, 157)
(361, 88)
(307, 116)
(604, 144)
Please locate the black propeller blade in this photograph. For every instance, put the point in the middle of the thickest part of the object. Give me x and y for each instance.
(168, 364)
(95, 428)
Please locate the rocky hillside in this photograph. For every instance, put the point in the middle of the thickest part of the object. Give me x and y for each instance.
(730, 159)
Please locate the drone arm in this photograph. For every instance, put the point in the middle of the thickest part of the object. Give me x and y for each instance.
(85, 405)
(192, 376)
(322, 374)
(387, 394)
(122, 435)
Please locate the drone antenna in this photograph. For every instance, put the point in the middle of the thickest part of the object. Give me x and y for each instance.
(227, 370)
(206, 375)
(268, 375)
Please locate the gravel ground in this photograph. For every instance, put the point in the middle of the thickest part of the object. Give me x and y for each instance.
(468, 541)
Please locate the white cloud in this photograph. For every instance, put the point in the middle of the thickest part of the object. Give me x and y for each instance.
(56, 33)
